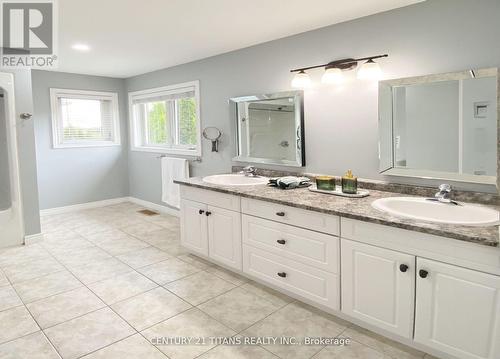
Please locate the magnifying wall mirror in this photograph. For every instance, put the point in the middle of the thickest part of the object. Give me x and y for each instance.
(270, 128)
(213, 134)
(442, 126)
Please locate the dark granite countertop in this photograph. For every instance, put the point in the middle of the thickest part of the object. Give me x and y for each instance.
(355, 208)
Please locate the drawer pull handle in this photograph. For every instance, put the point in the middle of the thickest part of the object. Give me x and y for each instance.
(280, 214)
(282, 274)
(208, 213)
(403, 268)
(201, 211)
(423, 273)
(281, 241)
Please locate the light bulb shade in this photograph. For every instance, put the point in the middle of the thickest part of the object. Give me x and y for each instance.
(332, 76)
(370, 70)
(301, 80)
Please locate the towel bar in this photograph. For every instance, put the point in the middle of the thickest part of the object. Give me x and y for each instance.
(195, 159)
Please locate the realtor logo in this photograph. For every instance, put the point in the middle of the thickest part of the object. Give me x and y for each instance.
(28, 33)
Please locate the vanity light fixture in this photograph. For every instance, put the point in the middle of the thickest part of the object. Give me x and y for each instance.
(370, 70)
(301, 80)
(332, 75)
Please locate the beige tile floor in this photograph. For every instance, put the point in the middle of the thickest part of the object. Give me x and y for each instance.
(106, 282)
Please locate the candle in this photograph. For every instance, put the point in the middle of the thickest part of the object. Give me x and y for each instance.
(325, 183)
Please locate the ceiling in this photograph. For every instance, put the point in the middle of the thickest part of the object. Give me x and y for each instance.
(131, 37)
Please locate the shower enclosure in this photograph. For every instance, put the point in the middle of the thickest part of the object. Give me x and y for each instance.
(11, 223)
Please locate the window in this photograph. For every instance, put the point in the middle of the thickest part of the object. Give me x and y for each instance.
(84, 118)
(166, 119)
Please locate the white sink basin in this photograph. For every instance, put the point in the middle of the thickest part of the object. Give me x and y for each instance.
(235, 180)
(431, 211)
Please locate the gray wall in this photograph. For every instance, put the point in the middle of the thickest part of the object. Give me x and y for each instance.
(435, 36)
(26, 151)
(71, 176)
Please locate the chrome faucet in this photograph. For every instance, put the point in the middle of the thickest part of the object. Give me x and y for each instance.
(249, 171)
(444, 195)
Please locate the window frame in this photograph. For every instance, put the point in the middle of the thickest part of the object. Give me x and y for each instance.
(136, 125)
(56, 120)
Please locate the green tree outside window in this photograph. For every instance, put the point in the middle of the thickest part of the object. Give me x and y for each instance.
(187, 121)
(158, 131)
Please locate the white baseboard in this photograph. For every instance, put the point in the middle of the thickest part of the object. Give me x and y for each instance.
(109, 202)
(33, 238)
(156, 207)
(82, 206)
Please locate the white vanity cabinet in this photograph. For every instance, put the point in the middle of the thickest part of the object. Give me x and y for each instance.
(378, 286)
(457, 310)
(428, 291)
(211, 225)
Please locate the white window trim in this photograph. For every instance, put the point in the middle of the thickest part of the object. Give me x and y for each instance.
(55, 93)
(135, 141)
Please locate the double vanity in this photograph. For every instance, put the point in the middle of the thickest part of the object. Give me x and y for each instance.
(432, 285)
(423, 271)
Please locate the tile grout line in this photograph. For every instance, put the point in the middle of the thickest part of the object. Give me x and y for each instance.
(108, 345)
(38, 325)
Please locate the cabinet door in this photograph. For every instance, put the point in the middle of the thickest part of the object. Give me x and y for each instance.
(224, 236)
(458, 310)
(194, 226)
(378, 286)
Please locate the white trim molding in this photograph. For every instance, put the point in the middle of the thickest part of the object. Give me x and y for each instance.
(33, 238)
(108, 202)
(82, 206)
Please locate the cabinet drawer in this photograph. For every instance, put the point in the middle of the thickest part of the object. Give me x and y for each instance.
(308, 247)
(295, 216)
(309, 282)
(212, 198)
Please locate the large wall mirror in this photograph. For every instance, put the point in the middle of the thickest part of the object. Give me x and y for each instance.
(441, 126)
(270, 128)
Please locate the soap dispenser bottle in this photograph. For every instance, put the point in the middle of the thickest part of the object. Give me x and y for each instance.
(349, 183)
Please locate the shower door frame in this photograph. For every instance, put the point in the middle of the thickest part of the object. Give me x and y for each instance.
(16, 207)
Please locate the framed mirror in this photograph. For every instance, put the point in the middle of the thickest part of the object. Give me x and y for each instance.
(270, 128)
(441, 126)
